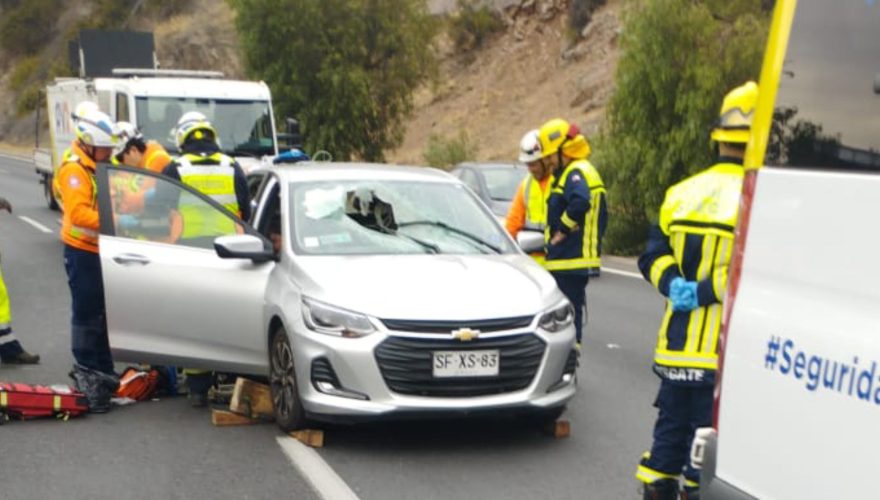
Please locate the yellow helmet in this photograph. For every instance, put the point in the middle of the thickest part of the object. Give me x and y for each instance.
(551, 135)
(737, 110)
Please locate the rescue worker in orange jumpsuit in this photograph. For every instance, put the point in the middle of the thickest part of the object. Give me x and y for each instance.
(687, 259)
(11, 352)
(93, 372)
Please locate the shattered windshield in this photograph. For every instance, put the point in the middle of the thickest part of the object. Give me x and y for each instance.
(391, 217)
(244, 127)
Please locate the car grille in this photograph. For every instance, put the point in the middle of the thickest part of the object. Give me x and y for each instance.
(407, 365)
(483, 325)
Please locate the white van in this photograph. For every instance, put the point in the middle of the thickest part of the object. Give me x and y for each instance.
(798, 392)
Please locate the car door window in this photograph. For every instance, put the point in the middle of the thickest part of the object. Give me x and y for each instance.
(149, 207)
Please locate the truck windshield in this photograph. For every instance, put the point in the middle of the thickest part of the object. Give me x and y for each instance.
(244, 127)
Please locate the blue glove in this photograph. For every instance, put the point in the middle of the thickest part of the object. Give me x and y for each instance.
(126, 221)
(683, 294)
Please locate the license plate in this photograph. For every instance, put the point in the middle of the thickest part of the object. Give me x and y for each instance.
(466, 363)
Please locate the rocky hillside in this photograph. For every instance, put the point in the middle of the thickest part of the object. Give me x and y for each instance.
(532, 70)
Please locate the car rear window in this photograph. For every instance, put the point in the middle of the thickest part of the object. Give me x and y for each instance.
(828, 106)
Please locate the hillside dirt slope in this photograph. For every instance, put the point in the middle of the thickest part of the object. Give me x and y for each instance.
(522, 77)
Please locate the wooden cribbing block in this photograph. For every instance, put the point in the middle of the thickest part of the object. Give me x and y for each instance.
(252, 399)
(559, 429)
(223, 418)
(309, 437)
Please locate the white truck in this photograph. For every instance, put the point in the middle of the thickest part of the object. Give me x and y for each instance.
(798, 388)
(154, 99)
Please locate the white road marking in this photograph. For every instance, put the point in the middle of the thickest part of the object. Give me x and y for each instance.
(614, 346)
(623, 273)
(35, 224)
(323, 479)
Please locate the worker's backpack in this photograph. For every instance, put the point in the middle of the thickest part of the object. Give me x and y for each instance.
(138, 384)
(34, 401)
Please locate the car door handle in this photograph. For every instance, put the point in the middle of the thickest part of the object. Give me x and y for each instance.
(131, 258)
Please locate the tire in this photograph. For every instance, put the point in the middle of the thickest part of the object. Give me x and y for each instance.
(47, 191)
(289, 412)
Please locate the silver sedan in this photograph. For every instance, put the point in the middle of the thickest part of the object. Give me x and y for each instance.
(360, 291)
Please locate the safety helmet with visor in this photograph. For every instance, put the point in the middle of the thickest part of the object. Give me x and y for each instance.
(95, 128)
(735, 119)
(193, 125)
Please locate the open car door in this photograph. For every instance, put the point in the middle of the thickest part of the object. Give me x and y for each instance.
(171, 298)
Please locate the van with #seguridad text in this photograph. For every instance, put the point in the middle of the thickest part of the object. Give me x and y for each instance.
(797, 402)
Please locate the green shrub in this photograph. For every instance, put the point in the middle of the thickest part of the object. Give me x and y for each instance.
(580, 12)
(25, 28)
(28, 100)
(445, 153)
(472, 24)
(23, 72)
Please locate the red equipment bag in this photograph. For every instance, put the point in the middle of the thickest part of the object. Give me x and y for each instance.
(34, 401)
(137, 384)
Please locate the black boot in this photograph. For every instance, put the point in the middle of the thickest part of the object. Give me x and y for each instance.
(22, 358)
(664, 489)
(98, 387)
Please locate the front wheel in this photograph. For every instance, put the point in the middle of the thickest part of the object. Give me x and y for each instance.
(289, 412)
(48, 192)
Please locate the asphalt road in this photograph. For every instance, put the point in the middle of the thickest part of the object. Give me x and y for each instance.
(165, 449)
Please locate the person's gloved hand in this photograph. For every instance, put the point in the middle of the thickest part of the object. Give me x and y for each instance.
(683, 294)
(126, 221)
(5, 205)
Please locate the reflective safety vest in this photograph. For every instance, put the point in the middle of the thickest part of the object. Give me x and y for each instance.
(572, 254)
(694, 240)
(535, 200)
(156, 158)
(56, 188)
(214, 177)
(79, 193)
(597, 205)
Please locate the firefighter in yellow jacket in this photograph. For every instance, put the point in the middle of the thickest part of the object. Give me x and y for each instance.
(686, 259)
(11, 351)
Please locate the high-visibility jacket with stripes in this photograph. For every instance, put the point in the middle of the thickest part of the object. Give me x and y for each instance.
(214, 176)
(694, 240)
(597, 217)
(79, 194)
(567, 209)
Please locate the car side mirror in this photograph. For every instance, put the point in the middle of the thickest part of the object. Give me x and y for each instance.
(530, 241)
(244, 246)
(291, 136)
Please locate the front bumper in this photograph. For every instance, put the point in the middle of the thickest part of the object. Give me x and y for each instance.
(387, 375)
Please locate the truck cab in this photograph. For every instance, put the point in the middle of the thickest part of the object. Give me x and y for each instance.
(241, 112)
(798, 387)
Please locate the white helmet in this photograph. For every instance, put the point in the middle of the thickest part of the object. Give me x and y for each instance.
(530, 147)
(82, 109)
(95, 128)
(189, 123)
(127, 132)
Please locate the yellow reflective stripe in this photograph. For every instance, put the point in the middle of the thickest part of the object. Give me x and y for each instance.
(719, 278)
(678, 240)
(56, 402)
(568, 221)
(681, 226)
(567, 264)
(713, 327)
(3, 399)
(695, 324)
(591, 243)
(648, 475)
(659, 267)
(691, 484)
(686, 360)
(78, 231)
(662, 337)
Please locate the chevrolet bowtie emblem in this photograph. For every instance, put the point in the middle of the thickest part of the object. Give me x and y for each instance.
(465, 334)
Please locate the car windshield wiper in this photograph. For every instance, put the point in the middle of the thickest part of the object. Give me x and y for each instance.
(432, 248)
(451, 229)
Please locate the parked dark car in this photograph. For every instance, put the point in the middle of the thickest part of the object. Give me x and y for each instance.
(494, 183)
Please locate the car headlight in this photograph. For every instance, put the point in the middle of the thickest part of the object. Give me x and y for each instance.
(330, 320)
(557, 318)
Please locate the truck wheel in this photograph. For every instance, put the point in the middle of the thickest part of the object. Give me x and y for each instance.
(47, 191)
(289, 412)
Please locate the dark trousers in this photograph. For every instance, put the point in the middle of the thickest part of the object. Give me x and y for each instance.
(574, 287)
(88, 323)
(682, 410)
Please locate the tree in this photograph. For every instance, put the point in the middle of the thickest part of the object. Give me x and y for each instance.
(345, 68)
(679, 59)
